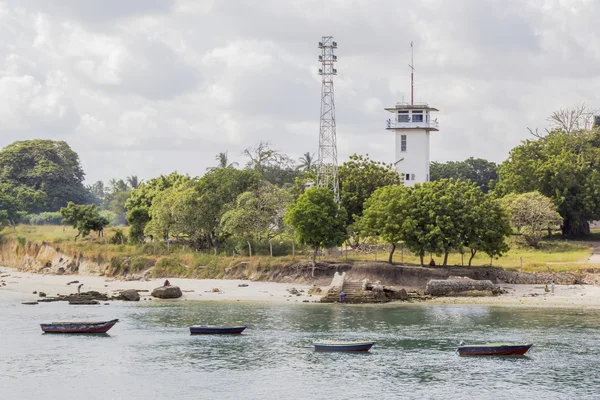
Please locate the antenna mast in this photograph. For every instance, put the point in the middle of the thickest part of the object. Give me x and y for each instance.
(412, 74)
(327, 168)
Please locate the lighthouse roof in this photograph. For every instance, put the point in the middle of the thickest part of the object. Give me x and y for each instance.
(408, 106)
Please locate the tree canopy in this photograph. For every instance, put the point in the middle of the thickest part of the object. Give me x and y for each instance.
(359, 178)
(482, 172)
(41, 175)
(84, 218)
(562, 166)
(531, 214)
(317, 220)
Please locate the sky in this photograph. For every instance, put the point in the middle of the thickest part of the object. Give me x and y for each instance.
(148, 87)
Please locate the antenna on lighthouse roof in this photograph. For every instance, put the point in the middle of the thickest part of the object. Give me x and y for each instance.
(412, 74)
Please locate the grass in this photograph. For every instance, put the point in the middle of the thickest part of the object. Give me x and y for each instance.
(554, 254)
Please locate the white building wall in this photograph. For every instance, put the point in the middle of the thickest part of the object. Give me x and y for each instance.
(415, 160)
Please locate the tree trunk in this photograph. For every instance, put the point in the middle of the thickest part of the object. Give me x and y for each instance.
(445, 258)
(392, 253)
(473, 252)
(575, 227)
(421, 255)
(314, 260)
(77, 236)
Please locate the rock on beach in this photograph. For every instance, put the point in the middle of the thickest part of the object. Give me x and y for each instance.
(167, 292)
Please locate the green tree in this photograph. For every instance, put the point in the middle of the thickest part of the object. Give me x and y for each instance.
(384, 215)
(317, 220)
(486, 226)
(140, 200)
(41, 175)
(258, 214)
(562, 166)
(274, 166)
(359, 178)
(217, 192)
(223, 162)
(84, 218)
(307, 162)
(531, 214)
(133, 181)
(482, 172)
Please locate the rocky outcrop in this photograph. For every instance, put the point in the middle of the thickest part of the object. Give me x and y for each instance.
(129, 295)
(460, 287)
(167, 292)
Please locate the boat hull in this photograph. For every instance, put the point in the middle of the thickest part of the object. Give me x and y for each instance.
(344, 347)
(504, 350)
(216, 330)
(79, 327)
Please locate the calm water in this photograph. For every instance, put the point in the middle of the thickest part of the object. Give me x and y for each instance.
(150, 355)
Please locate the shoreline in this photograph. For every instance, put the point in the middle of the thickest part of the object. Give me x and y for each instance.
(193, 289)
(519, 295)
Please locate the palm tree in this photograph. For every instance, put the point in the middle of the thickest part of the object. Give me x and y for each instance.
(223, 160)
(133, 181)
(307, 162)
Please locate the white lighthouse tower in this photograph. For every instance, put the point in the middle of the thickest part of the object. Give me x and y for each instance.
(412, 124)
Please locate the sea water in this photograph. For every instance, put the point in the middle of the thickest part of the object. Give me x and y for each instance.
(150, 354)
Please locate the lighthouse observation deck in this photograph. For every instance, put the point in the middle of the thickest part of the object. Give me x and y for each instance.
(412, 116)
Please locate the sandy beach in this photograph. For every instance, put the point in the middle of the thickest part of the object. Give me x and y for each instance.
(193, 289)
(564, 296)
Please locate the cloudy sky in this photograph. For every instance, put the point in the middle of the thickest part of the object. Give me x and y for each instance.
(151, 86)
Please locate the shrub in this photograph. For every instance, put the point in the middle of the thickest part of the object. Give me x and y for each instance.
(169, 267)
(118, 238)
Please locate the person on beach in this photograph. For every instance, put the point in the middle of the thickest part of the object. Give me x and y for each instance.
(167, 283)
(552, 288)
(432, 263)
(79, 289)
(342, 297)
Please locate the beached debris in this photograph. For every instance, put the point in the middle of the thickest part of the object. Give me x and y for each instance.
(461, 287)
(42, 294)
(167, 292)
(30, 303)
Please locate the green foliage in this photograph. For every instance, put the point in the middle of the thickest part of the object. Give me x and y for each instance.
(482, 172)
(448, 214)
(383, 215)
(119, 237)
(317, 220)
(41, 175)
(84, 218)
(140, 200)
(565, 168)
(45, 218)
(274, 166)
(168, 266)
(359, 178)
(257, 214)
(531, 214)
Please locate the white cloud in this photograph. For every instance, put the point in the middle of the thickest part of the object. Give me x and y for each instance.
(149, 86)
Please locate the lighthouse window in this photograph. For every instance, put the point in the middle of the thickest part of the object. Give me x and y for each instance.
(403, 116)
(408, 177)
(417, 117)
(412, 177)
(402, 142)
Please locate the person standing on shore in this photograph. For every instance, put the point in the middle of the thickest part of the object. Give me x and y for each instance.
(342, 297)
(552, 288)
(79, 289)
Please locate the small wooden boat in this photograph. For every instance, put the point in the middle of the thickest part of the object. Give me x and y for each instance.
(79, 327)
(493, 349)
(330, 345)
(216, 330)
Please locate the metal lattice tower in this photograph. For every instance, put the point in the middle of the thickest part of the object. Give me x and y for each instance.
(327, 172)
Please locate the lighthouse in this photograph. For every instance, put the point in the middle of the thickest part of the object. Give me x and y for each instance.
(412, 124)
